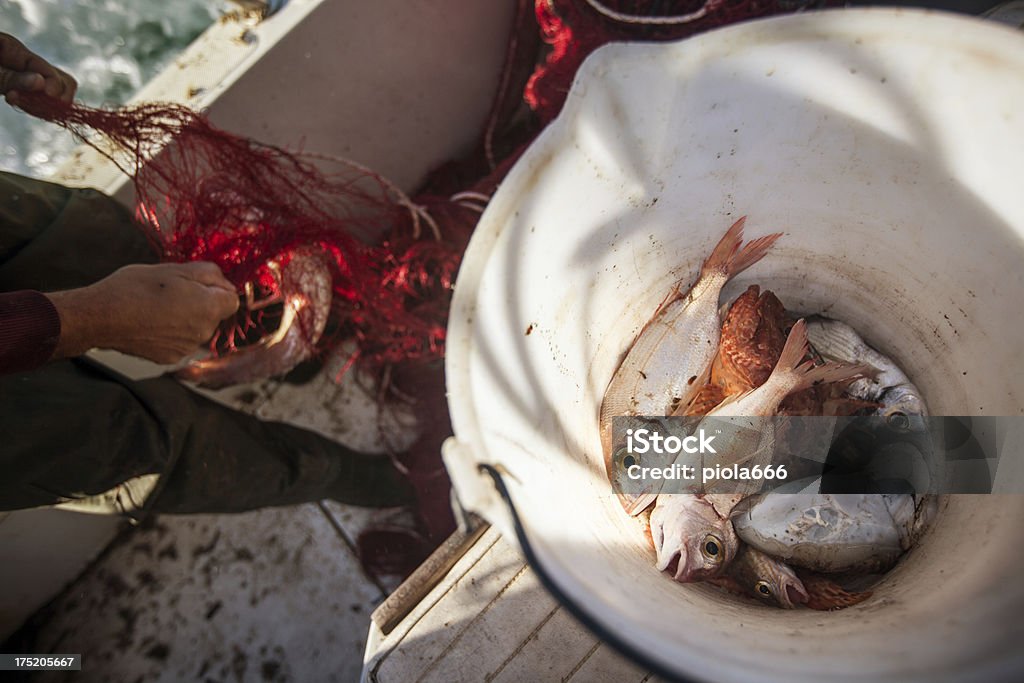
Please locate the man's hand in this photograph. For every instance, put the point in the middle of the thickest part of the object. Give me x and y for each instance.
(21, 70)
(160, 312)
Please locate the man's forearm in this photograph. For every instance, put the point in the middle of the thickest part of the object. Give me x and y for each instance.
(160, 312)
(81, 320)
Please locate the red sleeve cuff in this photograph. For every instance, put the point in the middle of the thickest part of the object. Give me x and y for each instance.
(29, 330)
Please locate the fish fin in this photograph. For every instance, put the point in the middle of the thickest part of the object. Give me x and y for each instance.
(639, 504)
(731, 398)
(723, 503)
(674, 295)
(693, 391)
(825, 594)
(827, 373)
(796, 376)
(793, 351)
(751, 253)
(707, 398)
(722, 255)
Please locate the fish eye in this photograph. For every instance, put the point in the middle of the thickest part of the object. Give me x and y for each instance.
(711, 547)
(627, 459)
(898, 420)
(763, 588)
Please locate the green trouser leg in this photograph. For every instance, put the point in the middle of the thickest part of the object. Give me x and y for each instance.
(53, 237)
(74, 429)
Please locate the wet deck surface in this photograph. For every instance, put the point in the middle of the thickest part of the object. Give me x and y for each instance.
(271, 595)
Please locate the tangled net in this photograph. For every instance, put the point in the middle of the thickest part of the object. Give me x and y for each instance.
(215, 196)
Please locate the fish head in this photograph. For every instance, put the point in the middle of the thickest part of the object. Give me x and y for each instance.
(635, 496)
(692, 537)
(303, 287)
(901, 405)
(768, 579)
(779, 585)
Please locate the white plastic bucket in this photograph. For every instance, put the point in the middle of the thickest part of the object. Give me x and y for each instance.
(888, 145)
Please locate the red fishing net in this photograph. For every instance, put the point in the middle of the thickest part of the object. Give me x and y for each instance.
(215, 196)
(211, 195)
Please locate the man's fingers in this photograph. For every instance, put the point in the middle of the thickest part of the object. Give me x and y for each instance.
(21, 69)
(222, 293)
(208, 274)
(20, 80)
(61, 86)
(226, 302)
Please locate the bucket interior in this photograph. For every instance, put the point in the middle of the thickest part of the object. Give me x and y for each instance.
(886, 146)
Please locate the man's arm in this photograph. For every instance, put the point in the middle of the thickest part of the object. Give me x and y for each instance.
(161, 312)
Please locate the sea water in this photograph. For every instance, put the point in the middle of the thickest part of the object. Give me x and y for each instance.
(111, 47)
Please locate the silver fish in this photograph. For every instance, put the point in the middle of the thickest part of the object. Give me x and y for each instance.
(891, 387)
(834, 532)
(666, 364)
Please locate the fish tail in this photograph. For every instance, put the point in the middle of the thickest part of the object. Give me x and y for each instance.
(752, 252)
(792, 375)
(793, 353)
(720, 260)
